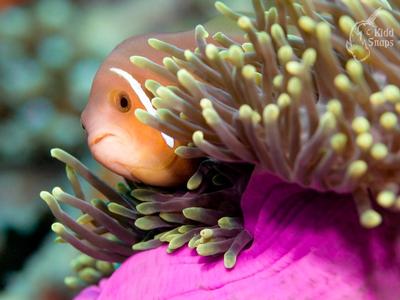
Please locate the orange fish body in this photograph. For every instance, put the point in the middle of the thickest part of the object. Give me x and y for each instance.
(116, 138)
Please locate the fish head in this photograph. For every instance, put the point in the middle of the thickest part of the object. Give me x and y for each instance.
(116, 138)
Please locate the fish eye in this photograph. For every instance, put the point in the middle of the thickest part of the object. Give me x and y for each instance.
(123, 102)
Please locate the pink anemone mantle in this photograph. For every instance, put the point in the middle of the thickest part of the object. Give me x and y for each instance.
(307, 245)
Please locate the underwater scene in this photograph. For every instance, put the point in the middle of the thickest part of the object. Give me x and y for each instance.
(199, 149)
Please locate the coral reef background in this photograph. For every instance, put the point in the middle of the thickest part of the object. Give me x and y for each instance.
(49, 52)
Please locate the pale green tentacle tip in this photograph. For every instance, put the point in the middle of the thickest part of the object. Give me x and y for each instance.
(379, 151)
(294, 86)
(294, 68)
(58, 228)
(338, 142)
(277, 32)
(346, 24)
(207, 233)
(146, 245)
(142, 194)
(245, 112)
(263, 38)
(229, 260)
(224, 54)
(245, 23)
(151, 85)
(342, 82)
(122, 188)
(180, 150)
(272, 12)
(189, 55)
(388, 120)
(170, 64)
(155, 43)
(248, 47)
(59, 240)
(194, 181)
(284, 101)
(206, 103)
(120, 210)
(386, 198)
(236, 56)
(173, 245)
(355, 69)
(364, 141)
(271, 113)
(309, 56)
(74, 282)
(357, 169)
(84, 219)
(90, 275)
(392, 93)
(323, 31)
(105, 267)
(185, 77)
(142, 115)
(164, 92)
(277, 81)
(377, 99)
(211, 116)
(307, 24)
(370, 218)
(285, 53)
(57, 192)
(190, 212)
(185, 228)
(201, 31)
(360, 124)
(211, 51)
(335, 107)
(218, 35)
(139, 246)
(203, 250)
(163, 114)
(82, 261)
(222, 8)
(46, 196)
(229, 223)
(328, 121)
(249, 72)
(139, 61)
(57, 152)
(149, 223)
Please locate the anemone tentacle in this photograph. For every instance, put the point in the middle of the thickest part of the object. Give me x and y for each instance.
(293, 99)
(135, 217)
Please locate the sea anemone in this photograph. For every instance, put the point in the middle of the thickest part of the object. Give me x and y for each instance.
(305, 108)
(205, 215)
(307, 245)
(292, 100)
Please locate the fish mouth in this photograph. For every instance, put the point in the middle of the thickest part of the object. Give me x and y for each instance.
(99, 138)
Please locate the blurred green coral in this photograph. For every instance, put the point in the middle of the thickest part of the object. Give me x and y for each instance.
(38, 59)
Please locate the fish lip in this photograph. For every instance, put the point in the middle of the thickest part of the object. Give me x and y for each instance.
(98, 138)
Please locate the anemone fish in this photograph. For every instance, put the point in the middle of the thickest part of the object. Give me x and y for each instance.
(116, 138)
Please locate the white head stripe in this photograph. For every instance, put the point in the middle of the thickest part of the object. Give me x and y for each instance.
(135, 85)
